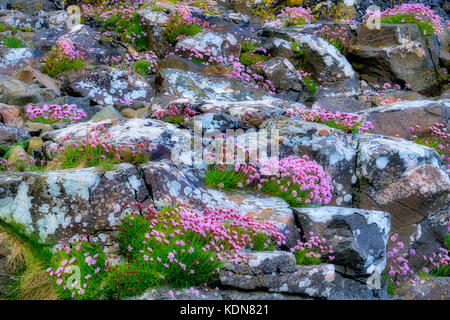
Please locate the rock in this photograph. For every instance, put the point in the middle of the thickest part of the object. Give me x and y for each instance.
(11, 116)
(432, 288)
(9, 135)
(18, 158)
(283, 75)
(155, 23)
(213, 120)
(107, 113)
(186, 294)
(31, 6)
(105, 85)
(12, 60)
(408, 62)
(221, 45)
(387, 36)
(358, 237)
(198, 87)
(278, 47)
(339, 103)
(406, 180)
(86, 38)
(37, 128)
(186, 183)
(326, 61)
(35, 145)
(60, 204)
(15, 92)
(396, 119)
(274, 272)
(129, 113)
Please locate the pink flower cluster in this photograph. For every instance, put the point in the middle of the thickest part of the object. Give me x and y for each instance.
(438, 262)
(419, 11)
(349, 122)
(438, 138)
(240, 72)
(337, 36)
(398, 266)
(182, 14)
(174, 111)
(314, 247)
(379, 93)
(55, 113)
(221, 226)
(203, 56)
(292, 16)
(65, 50)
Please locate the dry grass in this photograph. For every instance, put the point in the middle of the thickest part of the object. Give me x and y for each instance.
(34, 282)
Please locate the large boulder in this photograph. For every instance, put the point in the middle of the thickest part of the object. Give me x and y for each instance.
(408, 181)
(220, 45)
(9, 135)
(61, 204)
(105, 85)
(12, 60)
(400, 56)
(283, 75)
(396, 119)
(15, 92)
(196, 86)
(277, 272)
(359, 237)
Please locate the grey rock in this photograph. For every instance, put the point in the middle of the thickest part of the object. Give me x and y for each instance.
(9, 135)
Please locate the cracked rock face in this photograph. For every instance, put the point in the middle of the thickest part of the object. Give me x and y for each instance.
(277, 272)
(61, 204)
(359, 237)
(407, 181)
(105, 85)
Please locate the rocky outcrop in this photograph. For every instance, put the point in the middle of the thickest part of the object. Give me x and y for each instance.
(61, 204)
(358, 237)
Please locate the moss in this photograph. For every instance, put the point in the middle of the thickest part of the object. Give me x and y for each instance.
(12, 41)
(426, 28)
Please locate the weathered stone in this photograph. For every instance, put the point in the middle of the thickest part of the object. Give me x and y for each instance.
(18, 158)
(387, 36)
(35, 145)
(129, 113)
(221, 45)
(406, 180)
(15, 92)
(60, 204)
(272, 272)
(12, 60)
(213, 120)
(408, 62)
(105, 85)
(432, 288)
(107, 113)
(11, 115)
(358, 237)
(9, 135)
(396, 119)
(282, 74)
(199, 87)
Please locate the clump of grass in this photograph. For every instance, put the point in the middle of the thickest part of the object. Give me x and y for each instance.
(297, 49)
(27, 258)
(223, 178)
(63, 57)
(131, 28)
(142, 67)
(13, 42)
(311, 84)
(313, 251)
(5, 151)
(174, 30)
(425, 27)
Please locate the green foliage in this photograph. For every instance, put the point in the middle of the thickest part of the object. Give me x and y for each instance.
(12, 41)
(138, 249)
(298, 50)
(177, 120)
(302, 259)
(2, 27)
(447, 242)
(128, 280)
(247, 46)
(5, 151)
(72, 158)
(142, 67)
(177, 28)
(128, 27)
(53, 67)
(311, 84)
(91, 270)
(431, 142)
(426, 28)
(249, 58)
(273, 188)
(229, 178)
